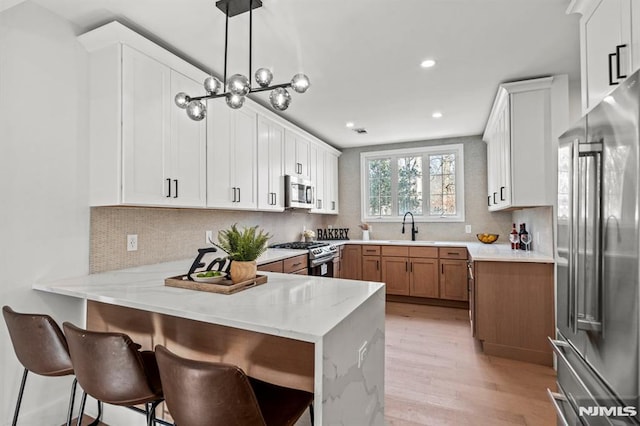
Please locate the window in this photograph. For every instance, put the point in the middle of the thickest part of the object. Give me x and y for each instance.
(428, 182)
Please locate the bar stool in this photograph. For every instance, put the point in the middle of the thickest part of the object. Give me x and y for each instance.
(202, 393)
(111, 369)
(42, 349)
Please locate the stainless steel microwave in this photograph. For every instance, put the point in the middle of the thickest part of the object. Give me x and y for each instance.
(298, 192)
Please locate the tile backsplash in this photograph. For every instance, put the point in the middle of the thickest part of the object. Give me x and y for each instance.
(166, 234)
(539, 223)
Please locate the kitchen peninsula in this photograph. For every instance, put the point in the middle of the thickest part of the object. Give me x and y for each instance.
(317, 334)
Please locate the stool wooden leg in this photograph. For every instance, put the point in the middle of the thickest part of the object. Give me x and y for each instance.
(24, 381)
(72, 401)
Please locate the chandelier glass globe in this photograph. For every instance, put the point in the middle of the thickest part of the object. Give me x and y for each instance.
(300, 83)
(238, 84)
(196, 110)
(212, 85)
(264, 77)
(235, 101)
(182, 100)
(280, 99)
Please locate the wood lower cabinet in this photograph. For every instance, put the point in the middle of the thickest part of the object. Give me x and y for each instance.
(453, 279)
(514, 309)
(352, 262)
(424, 278)
(395, 275)
(371, 268)
(277, 266)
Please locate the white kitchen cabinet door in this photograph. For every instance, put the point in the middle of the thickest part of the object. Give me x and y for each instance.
(270, 194)
(331, 183)
(607, 47)
(317, 172)
(145, 129)
(297, 155)
(231, 156)
(187, 160)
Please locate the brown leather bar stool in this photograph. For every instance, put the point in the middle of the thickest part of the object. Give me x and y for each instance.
(202, 393)
(111, 369)
(42, 349)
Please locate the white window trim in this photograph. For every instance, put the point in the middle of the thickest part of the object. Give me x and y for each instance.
(458, 149)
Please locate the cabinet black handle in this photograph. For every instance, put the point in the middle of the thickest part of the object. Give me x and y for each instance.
(502, 188)
(176, 182)
(377, 265)
(411, 267)
(406, 266)
(333, 205)
(611, 82)
(618, 48)
(238, 194)
(234, 195)
(442, 268)
(494, 198)
(169, 185)
(489, 200)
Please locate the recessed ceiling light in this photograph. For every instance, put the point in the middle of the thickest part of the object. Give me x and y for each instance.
(437, 114)
(427, 63)
(350, 124)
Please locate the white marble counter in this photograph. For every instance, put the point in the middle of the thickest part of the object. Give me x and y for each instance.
(496, 252)
(273, 255)
(294, 306)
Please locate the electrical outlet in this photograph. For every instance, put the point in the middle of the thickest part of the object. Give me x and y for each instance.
(208, 237)
(467, 229)
(132, 242)
(362, 353)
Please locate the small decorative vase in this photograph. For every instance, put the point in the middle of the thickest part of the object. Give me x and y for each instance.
(308, 239)
(243, 271)
(365, 235)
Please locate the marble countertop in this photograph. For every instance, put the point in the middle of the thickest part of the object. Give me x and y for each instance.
(294, 306)
(273, 255)
(496, 252)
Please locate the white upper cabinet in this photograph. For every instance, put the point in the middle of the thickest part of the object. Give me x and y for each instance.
(141, 152)
(609, 45)
(331, 182)
(145, 151)
(296, 154)
(270, 164)
(231, 156)
(521, 136)
(317, 175)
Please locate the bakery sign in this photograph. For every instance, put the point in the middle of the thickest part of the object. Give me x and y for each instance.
(333, 234)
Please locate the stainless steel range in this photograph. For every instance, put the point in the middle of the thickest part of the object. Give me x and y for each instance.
(320, 254)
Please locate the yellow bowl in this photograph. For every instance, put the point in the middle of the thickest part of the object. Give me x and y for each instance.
(487, 238)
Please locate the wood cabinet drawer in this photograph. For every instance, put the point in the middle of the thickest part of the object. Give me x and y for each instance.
(304, 271)
(368, 250)
(429, 252)
(452, 252)
(395, 251)
(272, 267)
(294, 264)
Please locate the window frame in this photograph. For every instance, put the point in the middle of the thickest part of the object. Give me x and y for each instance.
(394, 154)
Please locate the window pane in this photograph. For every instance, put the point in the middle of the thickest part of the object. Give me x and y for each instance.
(380, 187)
(442, 184)
(410, 185)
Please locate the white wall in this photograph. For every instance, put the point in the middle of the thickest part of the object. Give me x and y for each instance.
(44, 213)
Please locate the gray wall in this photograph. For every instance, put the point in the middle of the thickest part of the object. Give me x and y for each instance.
(475, 183)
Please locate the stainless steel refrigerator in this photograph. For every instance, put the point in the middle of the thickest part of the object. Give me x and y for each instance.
(598, 264)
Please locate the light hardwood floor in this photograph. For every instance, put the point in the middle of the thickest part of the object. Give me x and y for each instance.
(436, 374)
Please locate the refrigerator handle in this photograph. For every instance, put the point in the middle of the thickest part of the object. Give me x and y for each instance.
(592, 321)
(555, 397)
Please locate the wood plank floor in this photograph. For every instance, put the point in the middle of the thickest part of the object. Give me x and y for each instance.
(436, 374)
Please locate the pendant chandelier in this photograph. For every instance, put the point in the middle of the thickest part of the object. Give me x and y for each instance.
(238, 86)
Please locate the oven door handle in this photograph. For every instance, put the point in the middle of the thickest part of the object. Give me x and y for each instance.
(321, 261)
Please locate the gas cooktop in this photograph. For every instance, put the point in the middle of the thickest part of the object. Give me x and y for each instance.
(300, 245)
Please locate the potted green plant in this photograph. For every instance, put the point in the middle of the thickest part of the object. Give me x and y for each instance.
(243, 248)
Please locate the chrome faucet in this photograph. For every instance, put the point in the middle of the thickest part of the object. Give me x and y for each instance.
(414, 230)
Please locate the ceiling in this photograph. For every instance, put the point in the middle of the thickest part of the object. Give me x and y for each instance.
(363, 56)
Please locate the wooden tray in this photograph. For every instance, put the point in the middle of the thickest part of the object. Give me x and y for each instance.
(224, 286)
